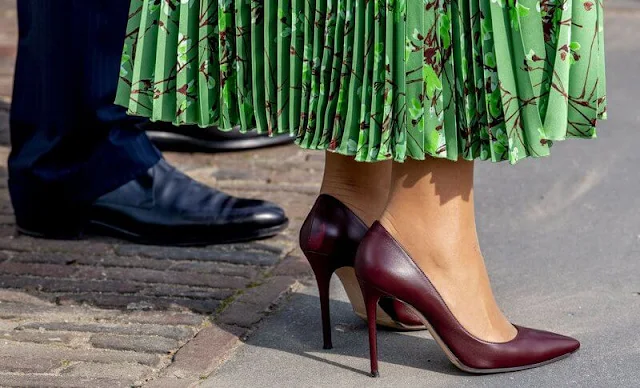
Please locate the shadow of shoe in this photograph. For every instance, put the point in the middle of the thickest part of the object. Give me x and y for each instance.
(296, 329)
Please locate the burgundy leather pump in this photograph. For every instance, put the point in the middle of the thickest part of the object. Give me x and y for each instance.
(329, 239)
(384, 269)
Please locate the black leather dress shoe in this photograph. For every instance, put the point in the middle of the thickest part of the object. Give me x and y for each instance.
(166, 207)
(191, 138)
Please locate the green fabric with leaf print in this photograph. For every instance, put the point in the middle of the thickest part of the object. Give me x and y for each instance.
(375, 79)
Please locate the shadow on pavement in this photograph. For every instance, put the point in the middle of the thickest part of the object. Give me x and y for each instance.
(296, 329)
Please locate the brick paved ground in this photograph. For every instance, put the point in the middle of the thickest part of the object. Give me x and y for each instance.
(104, 313)
(8, 31)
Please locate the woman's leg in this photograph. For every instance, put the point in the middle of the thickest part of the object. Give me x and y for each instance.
(430, 212)
(363, 187)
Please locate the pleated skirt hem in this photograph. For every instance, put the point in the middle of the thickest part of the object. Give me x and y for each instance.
(385, 80)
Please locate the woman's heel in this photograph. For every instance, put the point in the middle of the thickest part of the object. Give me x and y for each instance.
(371, 298)
(323, 270)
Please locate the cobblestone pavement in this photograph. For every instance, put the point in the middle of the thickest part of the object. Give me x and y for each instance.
(8, 32)
(105, 313)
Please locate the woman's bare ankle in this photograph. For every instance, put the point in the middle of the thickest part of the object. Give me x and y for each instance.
(362, 187)
(366, 205)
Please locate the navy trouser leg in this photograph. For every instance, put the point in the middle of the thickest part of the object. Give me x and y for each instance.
(70, 144)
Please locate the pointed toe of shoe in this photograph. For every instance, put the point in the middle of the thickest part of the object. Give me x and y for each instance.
(545, 346)
(530, 349)
(575, 345)
(561, 345)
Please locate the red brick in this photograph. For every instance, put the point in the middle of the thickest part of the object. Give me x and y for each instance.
(26, 352)
(49, 270)
(173, 332)
(213, 341)
(161, 318)
(37, 337)
(49, 381)
(245, 254)
(28, 244)
(119, 371)
(294, 265)
(267, 293)
(173, 277)
(67, 285)
(133, 302)
(35, 365)
(144, 344)
(241, 314)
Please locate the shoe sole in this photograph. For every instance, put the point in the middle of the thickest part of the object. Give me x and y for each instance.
(176, 142)
(104, 229)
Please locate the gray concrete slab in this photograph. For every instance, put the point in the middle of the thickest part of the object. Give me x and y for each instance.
(562, 240)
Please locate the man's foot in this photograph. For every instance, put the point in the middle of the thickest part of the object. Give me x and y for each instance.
(193, 138)
(166, 207)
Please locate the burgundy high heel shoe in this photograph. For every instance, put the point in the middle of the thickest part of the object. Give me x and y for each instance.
(384, 269)
(329, 239)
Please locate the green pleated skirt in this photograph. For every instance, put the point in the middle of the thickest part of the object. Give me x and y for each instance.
(375, 79)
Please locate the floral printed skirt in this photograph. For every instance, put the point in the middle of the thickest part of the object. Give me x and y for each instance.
(374, 79)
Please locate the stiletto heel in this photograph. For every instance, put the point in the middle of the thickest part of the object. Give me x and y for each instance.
(323, 272)
(371, 299)
(384, 269)
(329, 239)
